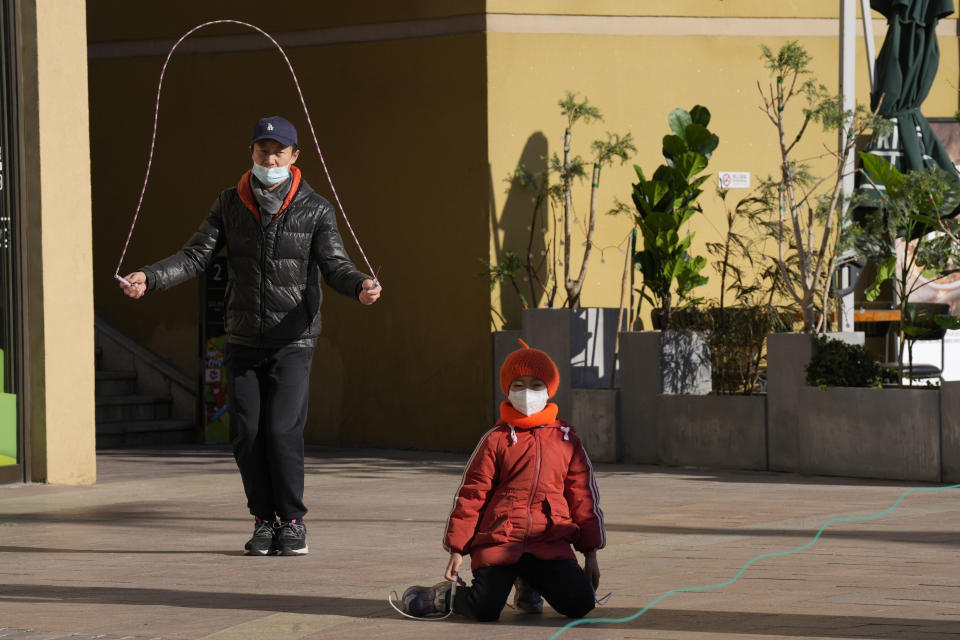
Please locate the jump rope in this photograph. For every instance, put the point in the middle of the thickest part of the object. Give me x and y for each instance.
(303, 103)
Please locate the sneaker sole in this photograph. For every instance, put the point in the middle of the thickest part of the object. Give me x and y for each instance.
(293, 552)
(255, 552)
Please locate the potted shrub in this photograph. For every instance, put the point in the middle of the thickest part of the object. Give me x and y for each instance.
(908, 206)
(664, 203)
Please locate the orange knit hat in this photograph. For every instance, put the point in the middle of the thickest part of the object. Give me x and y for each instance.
(529, 362)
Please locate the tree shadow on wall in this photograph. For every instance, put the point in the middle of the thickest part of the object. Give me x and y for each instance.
(516, 222)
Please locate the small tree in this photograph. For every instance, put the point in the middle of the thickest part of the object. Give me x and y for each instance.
(664, 203)
(559, 195)
(572, 167)
(810, 211)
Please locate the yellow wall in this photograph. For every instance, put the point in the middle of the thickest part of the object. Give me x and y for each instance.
(636, 80)
(58, 273)
(420, 134)
(401, 124)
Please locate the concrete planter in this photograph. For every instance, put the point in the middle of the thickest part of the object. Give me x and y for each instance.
(950, 432)
(595, 419)
(580, 341)
(868, 433)
(725, 432)
(657, 426)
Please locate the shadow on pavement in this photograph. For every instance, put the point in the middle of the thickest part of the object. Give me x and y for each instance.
(270, 603)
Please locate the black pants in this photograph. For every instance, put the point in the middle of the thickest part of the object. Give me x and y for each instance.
(269, 390)
(562, 583)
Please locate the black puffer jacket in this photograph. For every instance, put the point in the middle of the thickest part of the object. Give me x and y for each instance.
(273, 291)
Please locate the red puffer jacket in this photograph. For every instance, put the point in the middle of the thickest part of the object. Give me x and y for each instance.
(528, 488)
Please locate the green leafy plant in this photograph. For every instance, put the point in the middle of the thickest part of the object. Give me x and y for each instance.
(908, 208)
(838, 364)
(805, 213)
(664, 203)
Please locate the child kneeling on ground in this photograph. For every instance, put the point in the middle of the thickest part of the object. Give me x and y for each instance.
(527, 494)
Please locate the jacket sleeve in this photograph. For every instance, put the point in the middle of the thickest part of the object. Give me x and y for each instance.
(580, 490)
(194, 258)
(479, 479)
(327, 248)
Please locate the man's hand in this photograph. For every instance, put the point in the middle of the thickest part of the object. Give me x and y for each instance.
(370, 292)
(453, 569)
(138, 284)
(591, 568)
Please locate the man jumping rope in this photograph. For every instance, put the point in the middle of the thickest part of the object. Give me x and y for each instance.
(281, 237)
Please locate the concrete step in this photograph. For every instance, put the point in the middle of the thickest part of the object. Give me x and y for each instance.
(145, 433)
(116, 383)
(127, 408)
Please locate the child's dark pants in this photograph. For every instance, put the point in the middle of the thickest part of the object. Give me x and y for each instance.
(269, 389)
(562, 583)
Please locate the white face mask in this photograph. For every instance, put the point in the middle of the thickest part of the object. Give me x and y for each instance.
(271, 176)
(529, 401)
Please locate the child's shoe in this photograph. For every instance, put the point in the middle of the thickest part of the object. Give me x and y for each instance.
(264, 539)
(421, 602)
(525, 598)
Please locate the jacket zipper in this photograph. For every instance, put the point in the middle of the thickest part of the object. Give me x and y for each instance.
(263, 277)
(536, 482)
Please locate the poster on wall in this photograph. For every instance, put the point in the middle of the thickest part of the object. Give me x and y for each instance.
(945, 290)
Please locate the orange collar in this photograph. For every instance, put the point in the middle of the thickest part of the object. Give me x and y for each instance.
(511, 416)
(245, 191)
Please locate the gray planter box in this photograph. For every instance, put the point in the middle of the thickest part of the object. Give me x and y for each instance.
(867, 433)
(595, 419)
(580, 341)
(659, 426)
(950, 431)
(593, 412)
(726, 432)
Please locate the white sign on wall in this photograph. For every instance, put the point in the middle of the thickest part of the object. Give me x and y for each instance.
(733, 179)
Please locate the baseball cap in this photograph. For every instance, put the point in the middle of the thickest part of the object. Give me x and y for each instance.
(275, 128)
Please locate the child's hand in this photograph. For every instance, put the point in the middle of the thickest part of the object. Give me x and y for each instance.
(591, 568)
(453, 569)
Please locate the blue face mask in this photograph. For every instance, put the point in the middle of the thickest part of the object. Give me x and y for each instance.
(272, 176)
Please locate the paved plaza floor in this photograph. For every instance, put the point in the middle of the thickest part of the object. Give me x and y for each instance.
(153, 550)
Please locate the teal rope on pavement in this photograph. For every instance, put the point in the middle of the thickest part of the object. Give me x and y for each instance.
(713, 587)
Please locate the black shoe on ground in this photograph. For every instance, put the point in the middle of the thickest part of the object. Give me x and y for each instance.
(292, 538)
(525, 598)
(421, 602)
(264, 538)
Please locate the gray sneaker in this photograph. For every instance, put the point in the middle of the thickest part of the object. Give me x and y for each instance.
(263, 542)
(292, 538)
